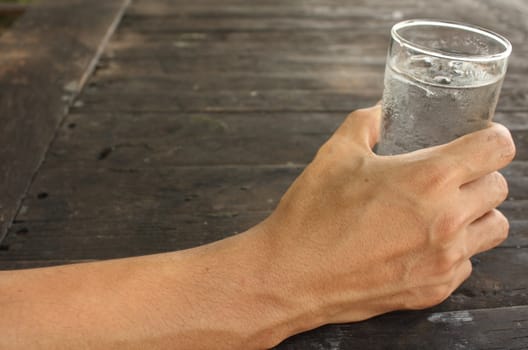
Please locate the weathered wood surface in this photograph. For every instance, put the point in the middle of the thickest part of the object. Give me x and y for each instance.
(201, 113)
(490, 329)
(206, 139)
(46, 58)
(12, 9)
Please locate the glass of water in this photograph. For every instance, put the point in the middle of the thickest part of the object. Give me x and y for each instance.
(442, 80)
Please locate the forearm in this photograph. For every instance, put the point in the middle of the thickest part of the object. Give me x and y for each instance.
(221, 295)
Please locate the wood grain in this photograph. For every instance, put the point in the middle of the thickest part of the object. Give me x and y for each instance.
(499, 328)
(46, 59)
(208, 139)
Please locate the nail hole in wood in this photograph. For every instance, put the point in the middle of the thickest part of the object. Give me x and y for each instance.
(42, 195)
(4, 247)
(467, 292)
(72, 125)
(105, 152)
(22, 231)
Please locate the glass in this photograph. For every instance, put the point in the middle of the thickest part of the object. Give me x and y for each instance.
(442, 80)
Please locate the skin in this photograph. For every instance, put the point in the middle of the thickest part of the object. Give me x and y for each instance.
(356, 235)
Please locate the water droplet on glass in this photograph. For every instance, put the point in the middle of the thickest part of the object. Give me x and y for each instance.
(421, 61)
(455, 64)
(441, 79)
(457, 68)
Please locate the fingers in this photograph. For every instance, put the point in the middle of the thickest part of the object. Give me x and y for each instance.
(479, 153)
(487, 232)
(482, 195)
(362, 127)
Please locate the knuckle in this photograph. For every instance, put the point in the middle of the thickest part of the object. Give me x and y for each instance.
(435, 175)
(330, 148)
(438, 294)
(468, 269)
(446, 262)
(326, 148)
(447, 226)
(353, 117)
(360, 112)
(437, 179)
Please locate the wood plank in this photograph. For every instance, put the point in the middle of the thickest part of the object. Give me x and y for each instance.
(204, 140)
(251, 82)
(12, 9)
(28, 264)
(130, 45)
(324, 56)
(503, 16)
(254, 22)
(60, 193)
(499, 328)
(231, 101)
(267, 17)
(516, 169)
(168, 139)
(521, 142)
(120, 237)
(143, 74)
(271, 62)
(155, 140)
(515, 209)
(296, 63)
(484, 12)
(261, 101)
(37, 86)
(272, 8)
(518, 236)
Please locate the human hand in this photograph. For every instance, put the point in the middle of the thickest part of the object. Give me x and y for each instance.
(358, 234)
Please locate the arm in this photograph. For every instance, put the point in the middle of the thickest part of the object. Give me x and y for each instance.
(212, 297)
(355, 236)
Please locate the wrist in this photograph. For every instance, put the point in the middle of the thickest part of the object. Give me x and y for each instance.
(303, 273)
(286, 302)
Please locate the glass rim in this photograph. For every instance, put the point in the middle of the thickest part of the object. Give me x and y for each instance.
(451, 24)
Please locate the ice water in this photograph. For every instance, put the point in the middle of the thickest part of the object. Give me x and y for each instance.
(428, 101)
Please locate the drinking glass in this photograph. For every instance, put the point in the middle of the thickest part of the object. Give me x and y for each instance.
(442, 80)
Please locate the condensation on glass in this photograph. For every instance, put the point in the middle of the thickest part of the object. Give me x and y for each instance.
(442, 80)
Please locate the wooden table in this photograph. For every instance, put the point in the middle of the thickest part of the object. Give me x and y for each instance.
(143, 127)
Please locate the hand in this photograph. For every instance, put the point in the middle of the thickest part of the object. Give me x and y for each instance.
(358, 235)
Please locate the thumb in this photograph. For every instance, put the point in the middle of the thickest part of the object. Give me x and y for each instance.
(362, 127)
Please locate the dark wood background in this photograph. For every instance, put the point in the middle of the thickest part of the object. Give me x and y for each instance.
(198, 116)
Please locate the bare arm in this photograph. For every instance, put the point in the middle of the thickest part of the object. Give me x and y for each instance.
(213, 297)
(355, 236)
